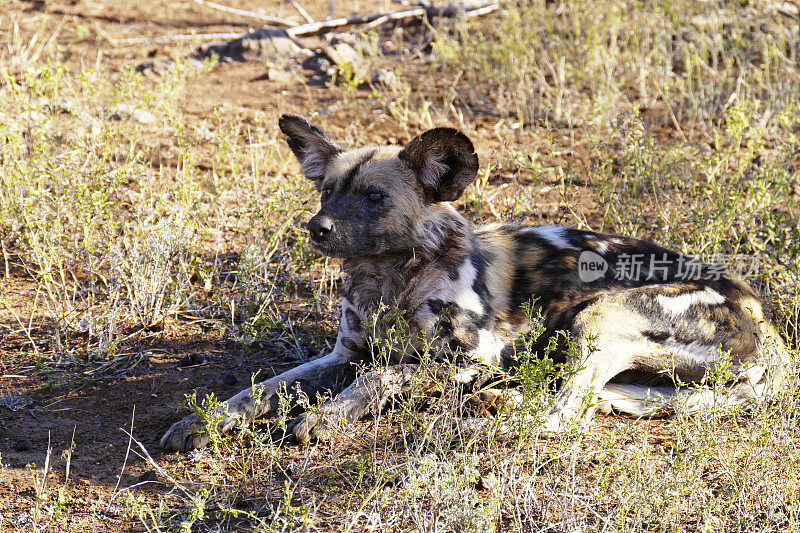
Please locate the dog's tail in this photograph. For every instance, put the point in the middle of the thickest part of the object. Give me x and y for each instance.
(759, 381)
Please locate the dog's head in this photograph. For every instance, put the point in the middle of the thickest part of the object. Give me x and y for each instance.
(375, 200)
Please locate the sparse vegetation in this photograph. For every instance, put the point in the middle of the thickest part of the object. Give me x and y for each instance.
(142, 219)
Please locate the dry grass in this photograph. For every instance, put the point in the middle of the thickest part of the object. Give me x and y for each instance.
(678, 122)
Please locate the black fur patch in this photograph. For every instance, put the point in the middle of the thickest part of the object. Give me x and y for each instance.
(479, 285)
(350, 344)
(547, 279)
(353, 320)
(460, 326)
(554, 279)
(656, 336)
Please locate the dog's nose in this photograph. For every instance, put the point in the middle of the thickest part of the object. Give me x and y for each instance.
(320, 227)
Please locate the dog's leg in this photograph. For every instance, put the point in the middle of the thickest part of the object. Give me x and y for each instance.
(608, 340)
(368, 393)
(317, 376)
(611, 337)
(755, 382)
(576, 401)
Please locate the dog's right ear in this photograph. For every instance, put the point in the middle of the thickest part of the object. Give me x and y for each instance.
(444, 161)
(312, 147)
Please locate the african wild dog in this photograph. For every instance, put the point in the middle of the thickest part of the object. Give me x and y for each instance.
(384, 211)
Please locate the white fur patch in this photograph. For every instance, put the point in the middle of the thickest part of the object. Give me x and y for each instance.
(465, 297)
(678, 305)
(488, 349)
(467, 375)
(636, 400)
(555, 235)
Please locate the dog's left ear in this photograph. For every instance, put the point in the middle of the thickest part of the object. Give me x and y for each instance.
(312, 147)
(444, 161)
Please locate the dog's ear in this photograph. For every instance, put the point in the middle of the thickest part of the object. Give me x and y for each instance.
(312, 147)
(444, 161)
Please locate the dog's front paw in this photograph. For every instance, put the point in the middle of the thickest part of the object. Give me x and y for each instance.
(185, 435)
(311, 426)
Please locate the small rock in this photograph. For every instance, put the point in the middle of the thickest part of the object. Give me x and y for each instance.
(229, 380)
(143, 117)
(15, 402)
(264, 43)
(191, 359)
(488, 481)
(345, 56)
(317, 62)
(276, 74)
(278, 44)
(21, 445)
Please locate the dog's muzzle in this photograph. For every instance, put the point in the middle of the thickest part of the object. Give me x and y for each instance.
(320, 226)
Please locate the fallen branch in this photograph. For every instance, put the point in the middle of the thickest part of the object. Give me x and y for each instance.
(271, 41)
(419, 11)
(242, 12)
(449, 10)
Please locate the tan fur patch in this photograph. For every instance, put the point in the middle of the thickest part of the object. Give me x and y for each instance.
(499, 249)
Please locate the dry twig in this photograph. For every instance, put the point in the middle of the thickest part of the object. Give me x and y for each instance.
(300, 9)
(242, 12)
(419, 11)
(448, 10)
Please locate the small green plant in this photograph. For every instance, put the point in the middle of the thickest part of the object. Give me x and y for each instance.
(49, 504)
(206, 411)
(196, 511)
(290, 516)
(439, 492)
(537, 372)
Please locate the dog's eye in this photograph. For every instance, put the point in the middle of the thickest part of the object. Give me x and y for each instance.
(375, 196)
(326, 193)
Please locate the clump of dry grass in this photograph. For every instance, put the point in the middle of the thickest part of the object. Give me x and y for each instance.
(580, 64)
